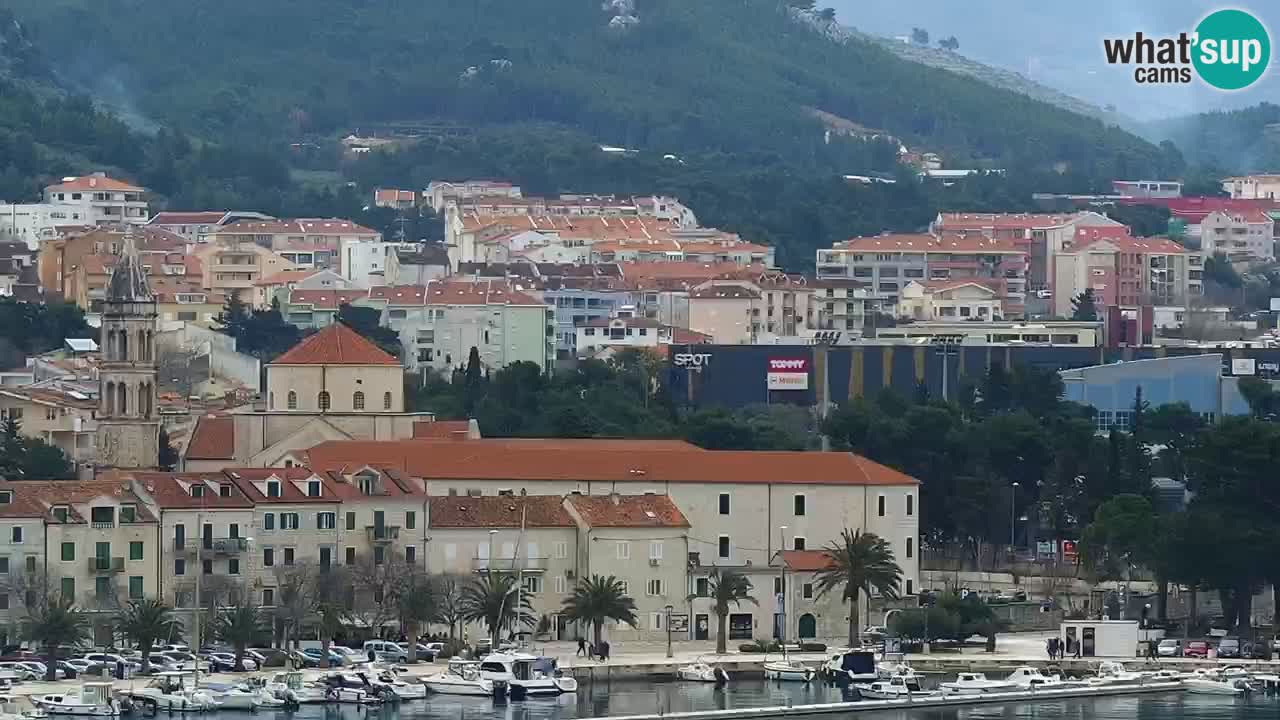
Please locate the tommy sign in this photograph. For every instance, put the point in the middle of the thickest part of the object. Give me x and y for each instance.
(788, 374)
(691, 361)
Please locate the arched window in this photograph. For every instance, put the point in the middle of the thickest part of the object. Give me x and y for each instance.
(111, 344)
(386, 401)
(292, 400)
(111, 398)
(122, 399)
(357, 400)
(124, 346)
(271, 401)
(323, 400)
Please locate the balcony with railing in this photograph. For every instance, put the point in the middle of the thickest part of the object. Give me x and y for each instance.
(207, 546)
(383, 533)
(506, 564)
(100, 565)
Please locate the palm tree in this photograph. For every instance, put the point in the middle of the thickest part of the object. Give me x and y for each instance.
(144, 622)
(58, 624)
(860, 563)
(727, 588)
(238, 626)
(417, 602)
(488, 600)
(597, 599)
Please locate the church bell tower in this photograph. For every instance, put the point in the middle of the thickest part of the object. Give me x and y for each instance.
(128, 421)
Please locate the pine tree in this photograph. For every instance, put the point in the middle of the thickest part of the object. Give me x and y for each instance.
(1084, 307)
(168, 459)
(234, 316)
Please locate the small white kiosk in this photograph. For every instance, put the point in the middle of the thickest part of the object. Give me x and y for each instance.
(1100, 638)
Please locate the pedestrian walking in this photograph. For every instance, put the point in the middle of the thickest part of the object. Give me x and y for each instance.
(1077, 648)
(604, 655)
(582, 647)
(1048, 648)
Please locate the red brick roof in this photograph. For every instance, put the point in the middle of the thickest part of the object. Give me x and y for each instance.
(442, 430)
(244, 478)
(36, 498)
(94, 182)
(724, 292)
(972, 242)
(653, 462)
(461, 511)
(982, 221)
(627, 511)
(337, 344)
(188, 218)
(806, 560)
(325, 299)
(214, 438)
(171, 490)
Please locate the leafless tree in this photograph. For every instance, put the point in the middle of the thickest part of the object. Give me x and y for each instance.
(449, 601)
(296, 600)
(31, 589)
(375, 590)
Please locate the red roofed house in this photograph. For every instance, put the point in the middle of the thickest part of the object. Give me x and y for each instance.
(395, 199)
(333, 385)
(305, 242)
(1125, 272)
(94, 542)
(100, 200)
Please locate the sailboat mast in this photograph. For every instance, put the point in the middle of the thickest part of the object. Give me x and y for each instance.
(782, 595)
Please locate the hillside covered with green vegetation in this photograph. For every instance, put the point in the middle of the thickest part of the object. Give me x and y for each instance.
(528, 91)
(1226, 142)
(668, 75)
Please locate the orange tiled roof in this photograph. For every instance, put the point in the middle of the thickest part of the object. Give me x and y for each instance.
(171, 490)
(36, 498)
(285, 277)
(325, 299)
(94, 182)
(479, 292)
(627, 511)
(214, 438)
(442, 429)
(302, 226)
(337, 344)
(604, 461)
(399, 294)
(461, 511)
(724, 292)
(806, 560)
(188, 218)
(982, 221)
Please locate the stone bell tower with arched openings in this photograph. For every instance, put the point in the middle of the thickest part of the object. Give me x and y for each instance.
(128, 419)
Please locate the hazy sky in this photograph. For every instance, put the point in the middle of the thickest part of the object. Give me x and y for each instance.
(1059, 43)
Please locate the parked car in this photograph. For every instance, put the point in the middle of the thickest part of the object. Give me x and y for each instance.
(1256, 650)
(1044, 293)
(386, 649)
(332, 660)
(111, 659)
(176, 647)
(268, 657)
(1229, 647)
(302, 659)
(350, 656)
(20, 670)
(1009, 596)
(1169, 647)
(226, 662)
(427, 652)
(1196, 649)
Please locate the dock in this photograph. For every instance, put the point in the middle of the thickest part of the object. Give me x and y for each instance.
(932, 702)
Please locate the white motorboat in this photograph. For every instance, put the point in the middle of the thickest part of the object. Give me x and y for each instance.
(293, 688)
(9, 710)
(168, 691)
(461, 678)
(1113, 673)
(1204, 685)
(853, 666)
(701, 671)
(403, 690)
(788, 671)
(970, 683)
(894, 689)
(242, 697)
(95, 699)
(1033, 678)
(526, 674)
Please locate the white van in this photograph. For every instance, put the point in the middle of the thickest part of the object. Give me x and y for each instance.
(386, 650)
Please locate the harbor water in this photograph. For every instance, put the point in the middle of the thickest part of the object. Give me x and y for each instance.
(601, 699)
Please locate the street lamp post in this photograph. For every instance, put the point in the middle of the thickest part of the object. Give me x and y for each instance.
(668, 623)
(1013, 520)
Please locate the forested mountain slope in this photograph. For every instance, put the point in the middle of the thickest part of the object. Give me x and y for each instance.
(666, 75)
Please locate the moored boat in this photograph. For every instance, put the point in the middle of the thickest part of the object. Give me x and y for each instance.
(970, 683)
(461, 678)
(95, 699)
(702, 671)
(788, 671)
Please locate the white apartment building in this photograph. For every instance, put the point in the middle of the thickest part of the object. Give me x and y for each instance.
(441, 193)
(886, 263)
(440, 323)
(62, 418)
(303, 242)
(31, 223)
(951, 300)
(100, 200)
(365, 261)
(1241, 235)
(1252, 187)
